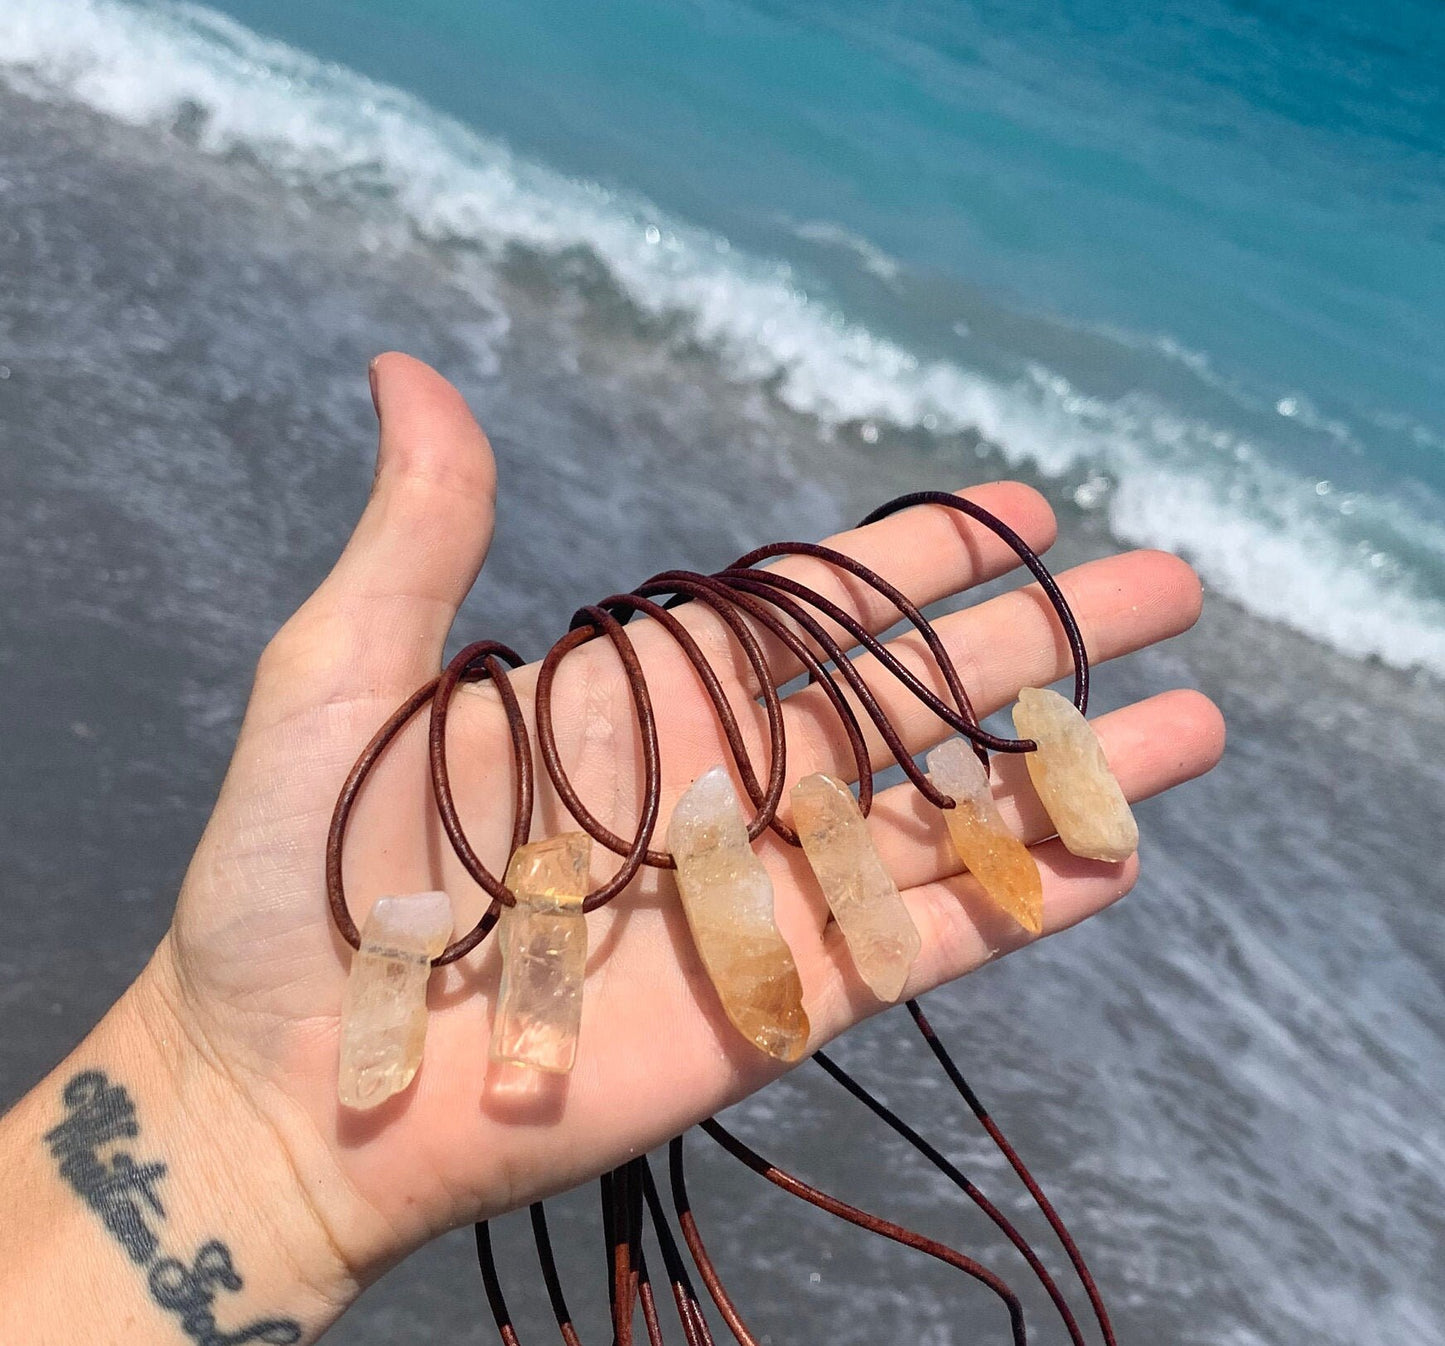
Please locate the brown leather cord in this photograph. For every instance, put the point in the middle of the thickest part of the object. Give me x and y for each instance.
(371, 754)
(649, 1304)
(629, 1283)
(624, 1278)
(1046, 1207)
(748, 599)
(542, 1237)
(872, 1223)
(605, 1183)
(706, 592)
(590, 622)
(1024, 552)
(753, 592)
(833, 653)
(689, 1311)
(959, 1179)
(710, 590)
(740, 590)
(341, 814)
(639, 1258)
(478, 660)
(766, 801)
(701, 1259)
(498, 1301)
(962, 718)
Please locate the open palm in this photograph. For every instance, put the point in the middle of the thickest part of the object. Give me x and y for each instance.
(257, 971)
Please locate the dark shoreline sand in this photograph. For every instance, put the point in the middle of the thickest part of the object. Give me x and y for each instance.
(1230, 1082)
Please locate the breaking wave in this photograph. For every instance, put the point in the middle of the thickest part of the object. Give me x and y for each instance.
(1357, 570)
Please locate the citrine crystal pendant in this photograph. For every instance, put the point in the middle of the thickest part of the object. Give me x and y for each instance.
(544, 955)
(383, 1012)
(999, 861)
(728, 898)
(1073, 779)
(864, 900)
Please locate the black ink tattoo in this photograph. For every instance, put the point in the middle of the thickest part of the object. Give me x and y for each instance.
(118, 1191)
(190, 1291)
(124, 1193)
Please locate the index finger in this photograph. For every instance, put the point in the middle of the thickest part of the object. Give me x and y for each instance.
(929, 554)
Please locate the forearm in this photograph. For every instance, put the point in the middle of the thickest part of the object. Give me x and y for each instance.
(144, 1202)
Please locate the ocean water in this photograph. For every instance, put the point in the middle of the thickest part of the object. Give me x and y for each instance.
(716, 273)
(1189, 263)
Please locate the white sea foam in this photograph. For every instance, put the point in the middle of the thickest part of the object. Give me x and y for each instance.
(1258, 533)
(872, 259)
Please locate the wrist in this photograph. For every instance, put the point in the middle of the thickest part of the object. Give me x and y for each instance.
(151, 1183)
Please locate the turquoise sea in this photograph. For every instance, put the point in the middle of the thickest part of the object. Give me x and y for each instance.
(715, 272)
(1190, 260)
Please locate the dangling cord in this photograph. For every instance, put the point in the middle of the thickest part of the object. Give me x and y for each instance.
(619, 1257)
(641, 1279)
(955, 1076)
(689, 1311)
(543, 1239)
(495, 1298)
(698, 1249)
(960, 1180)
(872, 1223)
(629, 1283)
(609, 1237)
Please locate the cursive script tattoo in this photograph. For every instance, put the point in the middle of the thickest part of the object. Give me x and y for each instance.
(124, 1193)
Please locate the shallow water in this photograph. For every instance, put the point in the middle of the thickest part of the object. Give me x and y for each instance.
(1229, 1083)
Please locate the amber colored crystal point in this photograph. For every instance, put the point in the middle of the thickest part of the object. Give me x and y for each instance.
(1002, 864)
(544, 955)
(1072, 778)
(863, 898)
(728, 898)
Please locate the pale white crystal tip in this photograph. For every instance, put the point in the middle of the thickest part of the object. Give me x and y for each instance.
(383, 1011)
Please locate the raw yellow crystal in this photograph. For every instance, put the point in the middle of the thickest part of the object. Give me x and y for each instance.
(728, 899)
(992, 854)
(1073, 779)
(876, 926)
(544, 955)
(383, 1013)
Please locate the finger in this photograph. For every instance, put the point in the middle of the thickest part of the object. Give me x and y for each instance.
(1122, 604)
(961, 930)
(1151, 746)
(929, 553)
(377, 623)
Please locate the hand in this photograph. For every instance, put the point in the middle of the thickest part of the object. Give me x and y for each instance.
(253, 971)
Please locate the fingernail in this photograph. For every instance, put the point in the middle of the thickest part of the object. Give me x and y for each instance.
(376, 406)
